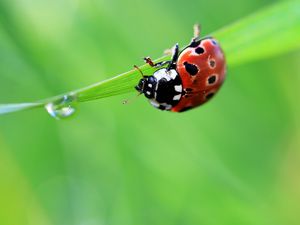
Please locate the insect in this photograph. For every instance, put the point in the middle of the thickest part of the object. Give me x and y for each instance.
(189, 79)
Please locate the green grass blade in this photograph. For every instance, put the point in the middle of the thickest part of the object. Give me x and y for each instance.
(269, 32)
(9, 108)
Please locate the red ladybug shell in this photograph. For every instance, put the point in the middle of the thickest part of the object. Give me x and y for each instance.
(202, 70)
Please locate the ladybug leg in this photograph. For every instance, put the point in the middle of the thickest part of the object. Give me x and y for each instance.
(172, 63)
(197, 30)
(195, 40)
(149, 61)
(168, 51)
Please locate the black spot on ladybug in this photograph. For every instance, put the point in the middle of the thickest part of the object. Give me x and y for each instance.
(191, 68)
(199, 50)
(212, 63)
(186, 108)
(209, 96)
(194, 44)
(212, 79)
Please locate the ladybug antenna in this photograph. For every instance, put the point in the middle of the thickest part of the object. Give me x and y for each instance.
(132, 99)
(141, 72)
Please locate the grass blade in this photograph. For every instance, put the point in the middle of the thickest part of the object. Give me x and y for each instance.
(9, 108)
(266, 33)
(269, 32)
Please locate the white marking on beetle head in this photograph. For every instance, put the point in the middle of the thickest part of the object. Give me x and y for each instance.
(148, 92)
(168, 107)
(154, 103)
(177, 97)
(162, 73)
(178, 88)
(150, 85)
(172, 74)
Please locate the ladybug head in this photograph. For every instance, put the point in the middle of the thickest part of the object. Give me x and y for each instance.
(141, 84)
(147, 86)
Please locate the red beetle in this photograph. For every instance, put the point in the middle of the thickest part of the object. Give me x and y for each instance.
(190, 79)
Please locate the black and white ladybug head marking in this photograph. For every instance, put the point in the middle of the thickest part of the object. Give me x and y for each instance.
(147, 86)
(163, 88)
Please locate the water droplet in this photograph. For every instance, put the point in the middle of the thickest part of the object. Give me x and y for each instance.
(63, 107)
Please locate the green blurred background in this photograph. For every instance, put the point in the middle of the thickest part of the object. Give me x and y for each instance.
(234, 161)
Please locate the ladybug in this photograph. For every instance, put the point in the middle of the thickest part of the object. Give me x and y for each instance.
(189, 79)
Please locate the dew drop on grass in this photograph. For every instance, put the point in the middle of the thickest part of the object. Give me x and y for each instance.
(63, 107)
